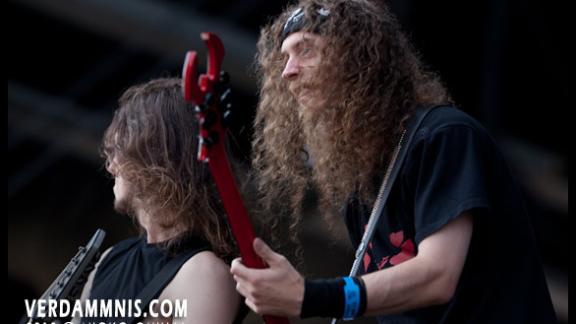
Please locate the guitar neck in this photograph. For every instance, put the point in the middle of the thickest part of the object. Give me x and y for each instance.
(238, 217)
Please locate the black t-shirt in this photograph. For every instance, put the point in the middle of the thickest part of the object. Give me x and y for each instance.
(453, 166)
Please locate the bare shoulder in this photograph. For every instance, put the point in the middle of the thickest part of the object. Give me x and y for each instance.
(205, 263)
(204, 270)
(205, 284)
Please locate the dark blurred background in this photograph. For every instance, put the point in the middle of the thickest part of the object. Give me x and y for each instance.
(505, 61)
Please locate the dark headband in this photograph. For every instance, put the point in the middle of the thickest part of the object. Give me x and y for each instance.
(297, 20)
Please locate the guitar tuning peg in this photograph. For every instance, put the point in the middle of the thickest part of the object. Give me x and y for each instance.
(224, 77)
(210, 140)
(213, 137)
(208, 99)
(208, 120)
(220, 87)
(226, 96)
(227, 118)
(200, 108)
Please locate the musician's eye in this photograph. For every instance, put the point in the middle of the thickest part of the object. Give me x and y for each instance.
(306, 51)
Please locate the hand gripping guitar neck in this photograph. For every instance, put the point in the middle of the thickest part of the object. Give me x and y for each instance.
(212, 107)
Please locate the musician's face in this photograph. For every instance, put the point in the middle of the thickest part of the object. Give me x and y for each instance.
(123, 200)
(302, 52)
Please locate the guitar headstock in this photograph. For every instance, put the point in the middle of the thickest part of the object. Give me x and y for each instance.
(210, 95)
(69, 283)
(211, 99)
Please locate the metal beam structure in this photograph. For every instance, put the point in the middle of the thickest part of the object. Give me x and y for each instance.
(161, 27)
(56, 122)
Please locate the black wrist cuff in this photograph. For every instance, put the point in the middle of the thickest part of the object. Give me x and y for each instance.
(323, 298)
(326, 298)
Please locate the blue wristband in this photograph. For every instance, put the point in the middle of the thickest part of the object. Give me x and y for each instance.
(351, 299)
(342, 297)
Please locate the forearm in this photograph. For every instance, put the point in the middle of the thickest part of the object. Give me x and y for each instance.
(429, 278)
(412, 284)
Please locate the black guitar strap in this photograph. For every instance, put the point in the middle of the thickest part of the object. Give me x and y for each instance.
(161, 280)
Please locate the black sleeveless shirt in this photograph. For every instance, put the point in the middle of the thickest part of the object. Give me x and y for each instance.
(129, 267)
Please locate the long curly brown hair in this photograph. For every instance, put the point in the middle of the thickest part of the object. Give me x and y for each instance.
(153, 140)
(372, 79)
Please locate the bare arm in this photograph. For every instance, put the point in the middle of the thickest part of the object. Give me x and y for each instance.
(427, 279)
(205, 283)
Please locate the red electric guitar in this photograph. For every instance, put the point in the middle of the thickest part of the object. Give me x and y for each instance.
(212, 106)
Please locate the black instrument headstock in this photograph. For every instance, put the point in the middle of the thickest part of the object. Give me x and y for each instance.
(69, 283)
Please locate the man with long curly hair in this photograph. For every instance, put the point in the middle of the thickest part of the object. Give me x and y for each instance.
(339, 82)
(150, 149)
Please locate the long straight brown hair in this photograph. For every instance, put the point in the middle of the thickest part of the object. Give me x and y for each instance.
(153, 139)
